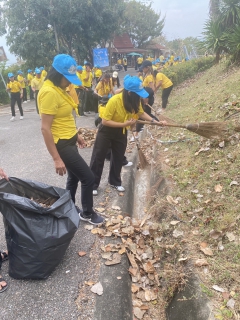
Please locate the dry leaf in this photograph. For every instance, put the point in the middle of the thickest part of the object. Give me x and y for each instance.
(148, 267)
(150, 295)
(177, 233)
(203, 244)
(97, 288)
(230, 236)
(171, 200)
(122, 250)
(132, 260)
(207, 251)
(101, 210)
(116, 208)
(234, 183)
(119, 278)
(215, 234)
(98, 231)
(88, 227)
(135, 288)
(107, 255)
(133, 271)
(121, 194)
(116, 259)
(183, 259)
(217, 288)
(218, 188)
(82, 253)
(174, 222)
(128, 230)
(138, 312)
(231, 303)
(201, 262)
(226, 295)
(90, 282)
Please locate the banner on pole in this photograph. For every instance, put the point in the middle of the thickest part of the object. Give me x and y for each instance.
(100, 57)
(3, 56)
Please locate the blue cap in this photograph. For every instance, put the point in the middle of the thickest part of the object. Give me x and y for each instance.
(29, 70)
(134, 84)
(66, 66)
(20, 72)
(37, 71)
(97, 66)
(41, 68)
(79, 68)
(85, 61)
(10, 75)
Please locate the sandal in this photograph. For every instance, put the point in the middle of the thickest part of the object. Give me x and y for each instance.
(3, 287)
(5, 255)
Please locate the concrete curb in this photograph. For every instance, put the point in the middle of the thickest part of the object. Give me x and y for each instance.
(116, 301)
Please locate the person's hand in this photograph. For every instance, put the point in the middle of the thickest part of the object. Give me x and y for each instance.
(129, 123)
(163, 123)
(21, 95)
(3, 174)
(60, 167)
(80, 141)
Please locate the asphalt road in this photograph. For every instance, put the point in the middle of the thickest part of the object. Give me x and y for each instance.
(63, 295)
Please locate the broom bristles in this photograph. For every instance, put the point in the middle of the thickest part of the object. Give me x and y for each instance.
(142, 159)
(209, 129)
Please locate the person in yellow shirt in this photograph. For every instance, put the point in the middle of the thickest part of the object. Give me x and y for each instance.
(161, 58)
(61, 135)
(166, 85)
(22, 80)
(15, 89)
(29, 80)
(97, 73)
(87, 78)
(80, 90)
(121, 112)
(125, 64)
(36, 84)
(139, 61)
(43, 72)
(148, 79)
(103, 88)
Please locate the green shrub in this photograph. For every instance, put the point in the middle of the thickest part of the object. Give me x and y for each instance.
(187, 70)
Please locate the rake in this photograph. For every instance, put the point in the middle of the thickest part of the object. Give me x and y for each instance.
(142, 159)
(209, 130)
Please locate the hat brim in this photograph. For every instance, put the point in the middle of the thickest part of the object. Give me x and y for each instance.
(142, 93)
(73, 79)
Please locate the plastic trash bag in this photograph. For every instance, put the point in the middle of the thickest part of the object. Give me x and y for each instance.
(37, 236)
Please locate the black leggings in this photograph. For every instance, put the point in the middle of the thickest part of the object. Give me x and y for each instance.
(15, 97)
(106, 137)
(24, 94)
(36, 95)
(77, 170)
(165, 94)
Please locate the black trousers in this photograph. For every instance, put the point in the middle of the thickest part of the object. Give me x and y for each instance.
(106, 137)
(165, 94)
(125, 67)
(77, 170)
(81, 97)
(36, 95)
(88, 100)
(15, 97)
(31, 93)
(148, 110)
(24, 98)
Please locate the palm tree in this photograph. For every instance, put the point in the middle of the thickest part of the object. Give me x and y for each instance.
(230, 12)
(214, 38)
(214, 9)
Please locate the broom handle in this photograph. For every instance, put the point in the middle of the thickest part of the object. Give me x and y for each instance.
(151, 107)
(158, 124)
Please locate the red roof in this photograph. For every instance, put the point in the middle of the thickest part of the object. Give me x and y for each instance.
(123, 42)
(156, 46)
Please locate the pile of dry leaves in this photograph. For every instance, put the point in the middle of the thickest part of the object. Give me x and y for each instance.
(89, 135)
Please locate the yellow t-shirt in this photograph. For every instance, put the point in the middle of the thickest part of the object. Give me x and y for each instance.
(166, 82)
(79, 75)
(15, 86)
(119, 61)
(52, 103)
(98, 73)
(147, 80)
(44, 74)
(124, 61)
(161, 58)
(115, 110)
(37, 83)
(104, 88)
(21, 80)
(139, 60)
(72, 92)
(87, 83)
(29, 78)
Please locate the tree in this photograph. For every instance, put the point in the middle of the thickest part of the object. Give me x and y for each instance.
(39, 29)
(141, 22)
(214, 9)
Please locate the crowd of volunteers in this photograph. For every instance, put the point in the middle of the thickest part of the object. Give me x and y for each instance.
(68, 89)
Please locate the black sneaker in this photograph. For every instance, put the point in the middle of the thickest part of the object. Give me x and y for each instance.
(79, 210)
(93, 218)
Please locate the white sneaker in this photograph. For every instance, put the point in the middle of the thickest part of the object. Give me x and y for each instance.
(132, 139)
(12, 119)
(21, 118)
(118, 188)
(95, 192)
(129, 164)
(24, 101)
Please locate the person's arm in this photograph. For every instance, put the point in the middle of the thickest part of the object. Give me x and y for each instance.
(48, 138)
(114, 124)
(159, 84)
(3, 174)
(146, 117)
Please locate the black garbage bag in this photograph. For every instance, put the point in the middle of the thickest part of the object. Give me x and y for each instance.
(40, 222)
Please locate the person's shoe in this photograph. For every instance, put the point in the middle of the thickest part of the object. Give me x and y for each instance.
(95, 192)
(12, 119)
(93, 218)
(21, 118)
(24, 101)
(129, 164)
(118, 188)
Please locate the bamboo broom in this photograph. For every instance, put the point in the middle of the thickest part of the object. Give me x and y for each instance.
(142, 159)
(209, 130)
